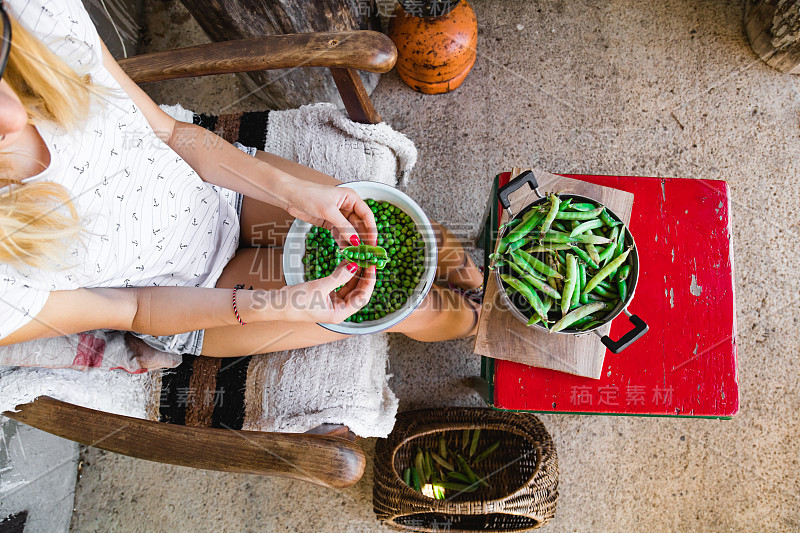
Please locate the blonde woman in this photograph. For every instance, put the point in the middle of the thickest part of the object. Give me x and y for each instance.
(115, 216)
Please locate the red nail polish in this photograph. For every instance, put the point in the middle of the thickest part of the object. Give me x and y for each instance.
(354, 240)
(352, 267)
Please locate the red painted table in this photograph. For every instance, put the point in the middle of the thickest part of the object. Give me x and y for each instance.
(685, 365)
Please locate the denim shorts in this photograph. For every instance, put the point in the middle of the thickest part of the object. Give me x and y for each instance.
(190, 342)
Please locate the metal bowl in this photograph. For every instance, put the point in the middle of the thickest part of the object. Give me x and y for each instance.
(633, 277)
(295, 248)
(640, 327)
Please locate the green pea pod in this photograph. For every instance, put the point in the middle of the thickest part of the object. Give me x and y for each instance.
(542, 248)
(551, 238)
(580, 312)
(419, 464)
(584, 238)
(460, 487)
(458, 476)
(439, 459)
(529, 221)
(583, 207)
(407, 476)
(580, 215)
(569, 283)
(365, 255)
(443, 448)
(534, 263)
(576, 294)
(510, 224)
(559, 226)
(590, 325)
(584, 256)
(518, 244)
(464, 439)
(622, 287)
(605, 293)
(521, 269)
(585, 226)
(529, 294)
(535, 319)
(607, 220)
(582, 298)
(415, 480)
(606, 285)
(608, 253)
(476, 435)
(486, 453)
(623, 272)
(542, 286)
(581, 321)
(592, 251)
(535, 279)
(551, 215)
(606, 270)
(565, 204)
(473, 476)
(497, 264)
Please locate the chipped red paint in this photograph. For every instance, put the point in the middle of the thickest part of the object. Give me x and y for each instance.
(686, 363)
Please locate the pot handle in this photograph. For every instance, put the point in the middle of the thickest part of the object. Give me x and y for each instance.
(526, 177)
(639, 329)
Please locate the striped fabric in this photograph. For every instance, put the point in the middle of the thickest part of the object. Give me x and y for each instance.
(209, 391)
(250, 129)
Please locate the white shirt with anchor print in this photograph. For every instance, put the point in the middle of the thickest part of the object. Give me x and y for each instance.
(149, 218)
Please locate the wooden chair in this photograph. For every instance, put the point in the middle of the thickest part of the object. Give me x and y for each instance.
(328, 460)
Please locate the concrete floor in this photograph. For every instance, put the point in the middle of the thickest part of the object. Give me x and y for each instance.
(627, 87)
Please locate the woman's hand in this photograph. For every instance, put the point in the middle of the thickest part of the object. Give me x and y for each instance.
(318, 300)
(338, 209)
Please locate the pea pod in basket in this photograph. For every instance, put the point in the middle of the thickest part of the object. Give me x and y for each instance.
(585, 255)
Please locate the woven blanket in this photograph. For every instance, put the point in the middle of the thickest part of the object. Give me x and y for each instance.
(338, 383)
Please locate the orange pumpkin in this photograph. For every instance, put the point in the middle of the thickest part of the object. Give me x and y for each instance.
(435, 54)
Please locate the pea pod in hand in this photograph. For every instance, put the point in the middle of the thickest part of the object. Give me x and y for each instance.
(365, 255)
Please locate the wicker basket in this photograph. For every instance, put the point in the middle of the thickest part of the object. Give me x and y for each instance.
(522, 473)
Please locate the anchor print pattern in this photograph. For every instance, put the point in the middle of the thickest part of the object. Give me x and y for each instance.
(150, 220)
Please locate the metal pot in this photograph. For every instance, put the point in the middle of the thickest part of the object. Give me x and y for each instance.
(639, 326)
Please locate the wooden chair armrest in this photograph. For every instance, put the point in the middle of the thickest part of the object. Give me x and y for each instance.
(361, 49)
(322, 460)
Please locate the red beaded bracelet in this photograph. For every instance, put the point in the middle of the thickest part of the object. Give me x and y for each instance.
(236, 311)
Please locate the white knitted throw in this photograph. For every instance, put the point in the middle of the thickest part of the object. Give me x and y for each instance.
(320, 136)
(338, 383)
(112, 391)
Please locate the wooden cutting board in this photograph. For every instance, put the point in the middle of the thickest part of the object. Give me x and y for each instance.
(502, 336)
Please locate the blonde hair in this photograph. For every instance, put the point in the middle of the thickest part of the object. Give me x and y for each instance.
(38, 220)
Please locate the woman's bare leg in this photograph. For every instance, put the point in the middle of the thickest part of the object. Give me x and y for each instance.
(443, 315)
(454, 263)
